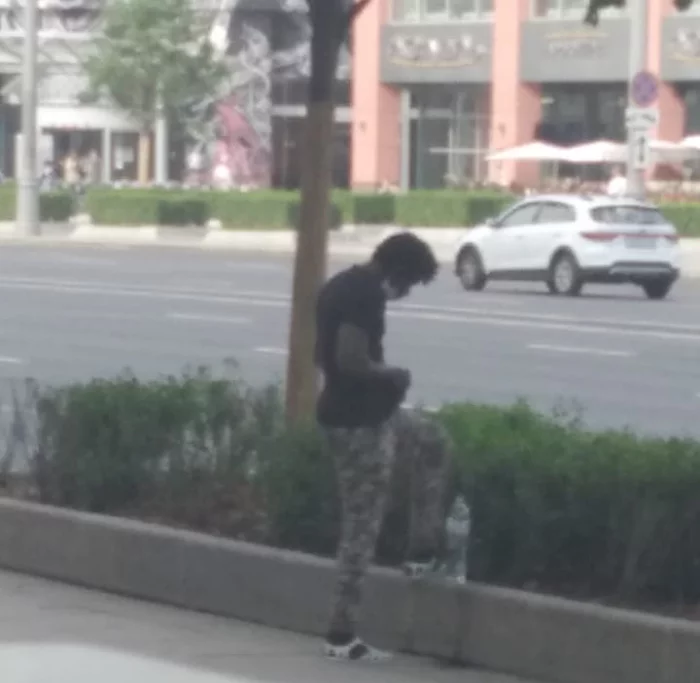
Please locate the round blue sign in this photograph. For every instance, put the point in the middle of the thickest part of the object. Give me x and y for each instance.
(644, 89)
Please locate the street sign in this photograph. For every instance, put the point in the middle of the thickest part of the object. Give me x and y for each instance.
(641, 118)
(644, 89)
(640, 147)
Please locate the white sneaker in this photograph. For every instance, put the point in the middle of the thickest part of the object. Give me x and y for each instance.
(356, 651)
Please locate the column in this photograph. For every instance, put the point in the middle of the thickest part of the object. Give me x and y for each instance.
(405, 144)
(107, 155)
(515, 106)
(376, 108)
(161, 145)
(671, 106)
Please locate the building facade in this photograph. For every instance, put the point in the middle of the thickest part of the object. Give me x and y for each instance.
(427, 90)
(439, 83)
(253, 123)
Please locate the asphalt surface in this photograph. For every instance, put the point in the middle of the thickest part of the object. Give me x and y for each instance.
(74, 312)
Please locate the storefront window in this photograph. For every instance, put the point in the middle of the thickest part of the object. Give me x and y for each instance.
(568, 9)
(449, 136)
(691, 99)
(574, 115)
(414, 11)
(288, 152)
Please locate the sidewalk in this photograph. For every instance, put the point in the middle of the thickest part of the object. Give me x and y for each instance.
(52, 633)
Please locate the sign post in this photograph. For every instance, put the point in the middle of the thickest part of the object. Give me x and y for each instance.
(28, 186)
(641, 156)
(642, 94)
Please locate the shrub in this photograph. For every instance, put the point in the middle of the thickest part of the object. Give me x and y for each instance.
(54, 206)
(562, 509)
(133, 207)
(279, 210)
(367, 209)
(554, 507)
(684, 216)
(185, 211)
(182, 450)
(264, 210)
(449, 208)
(8, 202)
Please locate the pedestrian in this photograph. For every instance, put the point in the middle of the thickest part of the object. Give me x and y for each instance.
(617, 186)
(359, 411)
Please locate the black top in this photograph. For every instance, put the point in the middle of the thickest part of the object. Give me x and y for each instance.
(354, 297)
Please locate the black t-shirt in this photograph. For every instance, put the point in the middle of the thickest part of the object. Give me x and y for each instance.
(353, 297)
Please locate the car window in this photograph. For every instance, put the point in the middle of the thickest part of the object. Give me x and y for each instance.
(553, 212)
(523, 215)
(619, 214)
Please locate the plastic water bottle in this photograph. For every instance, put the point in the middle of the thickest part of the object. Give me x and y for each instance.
(457, 528)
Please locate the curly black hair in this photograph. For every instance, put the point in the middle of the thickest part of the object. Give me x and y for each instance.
(407, 258)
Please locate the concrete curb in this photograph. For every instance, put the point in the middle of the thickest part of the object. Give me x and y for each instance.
(111, 235)
(246, 240)
(355, 241)
(533, 636)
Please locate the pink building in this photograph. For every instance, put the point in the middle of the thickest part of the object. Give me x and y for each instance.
(437, 84)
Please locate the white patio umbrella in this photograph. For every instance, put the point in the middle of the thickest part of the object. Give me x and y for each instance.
(672, 152)
(533, 151)
(597, 152)
(691, 142)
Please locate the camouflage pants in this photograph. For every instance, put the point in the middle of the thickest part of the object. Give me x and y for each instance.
(365, 461)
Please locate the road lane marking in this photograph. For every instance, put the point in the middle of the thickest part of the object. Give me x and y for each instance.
(271, 350)
(271, 298)
(475, 317)
(10, 360)
(581, 328)
(549, 317)
(580, 350)
(193, 317)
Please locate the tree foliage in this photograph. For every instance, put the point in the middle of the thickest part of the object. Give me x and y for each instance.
(152, 51)
(596, 6)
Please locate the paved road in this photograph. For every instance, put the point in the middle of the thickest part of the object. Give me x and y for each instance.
(75, 312)
(51, 633)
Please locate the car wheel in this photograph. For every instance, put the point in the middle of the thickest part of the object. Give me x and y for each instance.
(657, 289)
(470, 270)
(565, 276)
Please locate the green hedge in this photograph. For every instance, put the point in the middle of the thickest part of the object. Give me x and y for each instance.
(684, 216)
(53, 206)
(264, 210)
(555, 508)
(279, 210)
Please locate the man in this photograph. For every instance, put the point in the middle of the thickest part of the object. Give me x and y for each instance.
(359, 411)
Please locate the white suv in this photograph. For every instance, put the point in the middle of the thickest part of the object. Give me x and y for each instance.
(569, 240)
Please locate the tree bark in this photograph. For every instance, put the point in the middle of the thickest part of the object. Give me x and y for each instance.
(329, 22)
(310, 262)
(144, 166)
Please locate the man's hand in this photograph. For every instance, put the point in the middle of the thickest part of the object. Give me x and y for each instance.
(401, 379)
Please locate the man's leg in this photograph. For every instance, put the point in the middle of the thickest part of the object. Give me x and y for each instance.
(364, 462)
(424, 448)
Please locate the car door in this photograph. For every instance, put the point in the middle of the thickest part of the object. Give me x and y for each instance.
(502, 252)
(548, 231)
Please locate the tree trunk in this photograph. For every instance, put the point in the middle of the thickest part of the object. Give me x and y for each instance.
(329, 22)
(310, 262)
(144, 167)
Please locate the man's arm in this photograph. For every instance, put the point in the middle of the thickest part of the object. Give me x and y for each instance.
(352, 355)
